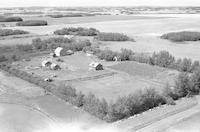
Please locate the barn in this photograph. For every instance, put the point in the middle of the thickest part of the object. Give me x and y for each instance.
(95, 66)
(59, 51)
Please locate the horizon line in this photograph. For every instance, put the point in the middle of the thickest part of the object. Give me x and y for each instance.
(97, 6)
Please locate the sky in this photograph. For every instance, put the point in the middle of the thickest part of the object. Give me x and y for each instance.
(68, 3)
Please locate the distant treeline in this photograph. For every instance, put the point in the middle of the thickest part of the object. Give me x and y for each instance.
(32, 23)
(182, 36)
(10, 19)
(102, 36)
(77, 31)
(7, 32)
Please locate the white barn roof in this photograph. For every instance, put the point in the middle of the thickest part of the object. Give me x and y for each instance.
(58, 50)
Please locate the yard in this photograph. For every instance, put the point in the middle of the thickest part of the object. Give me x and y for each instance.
(117, 78)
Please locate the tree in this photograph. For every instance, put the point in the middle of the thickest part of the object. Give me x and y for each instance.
(183, 85)
(163, 59)
(186, 65)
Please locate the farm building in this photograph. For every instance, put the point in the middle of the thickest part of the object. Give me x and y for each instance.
(117, 58)
(59, 51)
(68, 36)
(46, 63)
(89, 53)
(52, 55)
(54, 66)
(95, 66)
(69, 52)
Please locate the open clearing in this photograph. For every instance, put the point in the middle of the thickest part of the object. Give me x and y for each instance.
(117, 78)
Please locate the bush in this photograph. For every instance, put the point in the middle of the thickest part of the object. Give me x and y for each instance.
(182, 36)
(32, 23)
(112, 37)
(10, 19)
(7, 32)
(186, 65)
(77, 31)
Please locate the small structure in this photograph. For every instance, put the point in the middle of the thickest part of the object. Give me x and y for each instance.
(68, 36)
(89, 53)
(96, 66)
(48, 80)
(59, 51)
(46, 63)
(52, 55)
(54, 66)
(116, 58)
(69, 52)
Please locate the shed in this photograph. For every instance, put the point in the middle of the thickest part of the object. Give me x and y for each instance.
(52, 55)
(70, 52)
(96, 66)
(68, 36)
(89, 53)
(54, 66)
(117, 58)
(59, 51)
(46, 63)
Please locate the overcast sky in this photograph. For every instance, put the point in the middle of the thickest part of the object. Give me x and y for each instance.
(10, 3)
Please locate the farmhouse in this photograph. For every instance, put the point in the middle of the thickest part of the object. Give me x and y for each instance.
(54, 66)
(59, 51)
(95, 66)
(46, 63)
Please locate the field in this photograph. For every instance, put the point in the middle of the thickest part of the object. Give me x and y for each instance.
(24, 107)
(114, 81)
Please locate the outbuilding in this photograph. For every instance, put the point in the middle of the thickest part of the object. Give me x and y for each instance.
(95, 66)
(46, 63)
(117, 58)
(70, 52)
(54, 66)
(89, 53)
(59, 51)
